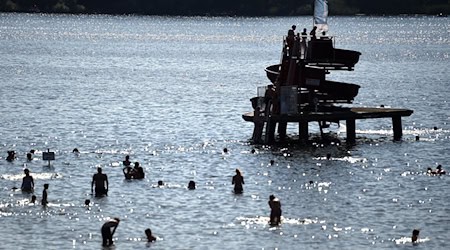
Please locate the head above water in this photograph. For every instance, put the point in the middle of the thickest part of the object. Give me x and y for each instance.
(415, 235)
(191, 185)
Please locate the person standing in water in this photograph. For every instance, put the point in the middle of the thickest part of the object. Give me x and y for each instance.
(27, 182)
(275, 210)
(150, 237)
(107, 234)
(44, 201)
(415, 235)
(238, 181)
(101, 183)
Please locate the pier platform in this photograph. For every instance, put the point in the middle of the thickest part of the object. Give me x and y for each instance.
(329, 114)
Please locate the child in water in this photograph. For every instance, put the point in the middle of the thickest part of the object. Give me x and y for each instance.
(150, 237)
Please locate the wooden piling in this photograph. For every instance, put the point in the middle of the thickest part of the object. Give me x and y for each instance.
(351, 131)
(397, 127)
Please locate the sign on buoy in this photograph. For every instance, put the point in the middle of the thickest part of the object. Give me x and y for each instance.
(48, 156)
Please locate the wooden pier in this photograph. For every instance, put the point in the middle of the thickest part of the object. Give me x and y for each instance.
(334, 114)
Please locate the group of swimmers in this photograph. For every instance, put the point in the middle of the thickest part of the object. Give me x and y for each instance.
(132, 173)
(274, 203)
(100, 181)
(437, 171)
(28, 187)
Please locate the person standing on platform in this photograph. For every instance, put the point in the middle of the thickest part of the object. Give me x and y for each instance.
(101, 183)
(107, 234)
(238, 181)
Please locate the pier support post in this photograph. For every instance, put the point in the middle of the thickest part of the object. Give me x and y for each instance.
(397, 127)
(351, 131)
(270, 131)
(282, 127)
(303, 131)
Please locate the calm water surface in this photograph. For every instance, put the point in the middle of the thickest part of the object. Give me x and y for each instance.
(170, 92)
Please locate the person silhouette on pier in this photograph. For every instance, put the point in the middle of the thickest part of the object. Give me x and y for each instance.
(100, 181)
(313, 33)
(238, 181)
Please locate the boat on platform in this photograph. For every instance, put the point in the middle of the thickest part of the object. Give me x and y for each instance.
(299, 91)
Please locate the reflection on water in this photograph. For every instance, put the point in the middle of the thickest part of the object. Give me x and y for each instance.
(170, 93)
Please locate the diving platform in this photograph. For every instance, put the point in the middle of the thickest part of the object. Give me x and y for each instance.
(301, 93)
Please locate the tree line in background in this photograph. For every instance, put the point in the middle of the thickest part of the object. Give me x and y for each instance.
(227, 8)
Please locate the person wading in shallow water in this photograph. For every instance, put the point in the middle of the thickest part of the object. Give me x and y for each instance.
(44, 201)
(101, 183)
(27, 182)
(275, 210)
(107, 234)
(238, 181)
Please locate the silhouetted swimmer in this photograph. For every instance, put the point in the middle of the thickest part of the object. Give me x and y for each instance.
(275, 210)
(128, 172)
(328, 156)
(160, 183)
(87, 202)
(439, 170)
(100, 181)
(435, 128)
(107, 234)
(225, 150)
(138, 171)
(44, 201)
(253, 151)
(33, 199)
(75, 151)
(29, 156)
(311, 182)
(415, 235)
(127, 161)
(27, 181)
(417, 138)
(191, 185)
(238, 181)
(11, 156)
(150, 237)
(272, 162)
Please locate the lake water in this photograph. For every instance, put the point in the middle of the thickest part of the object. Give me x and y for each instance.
(170, 92)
